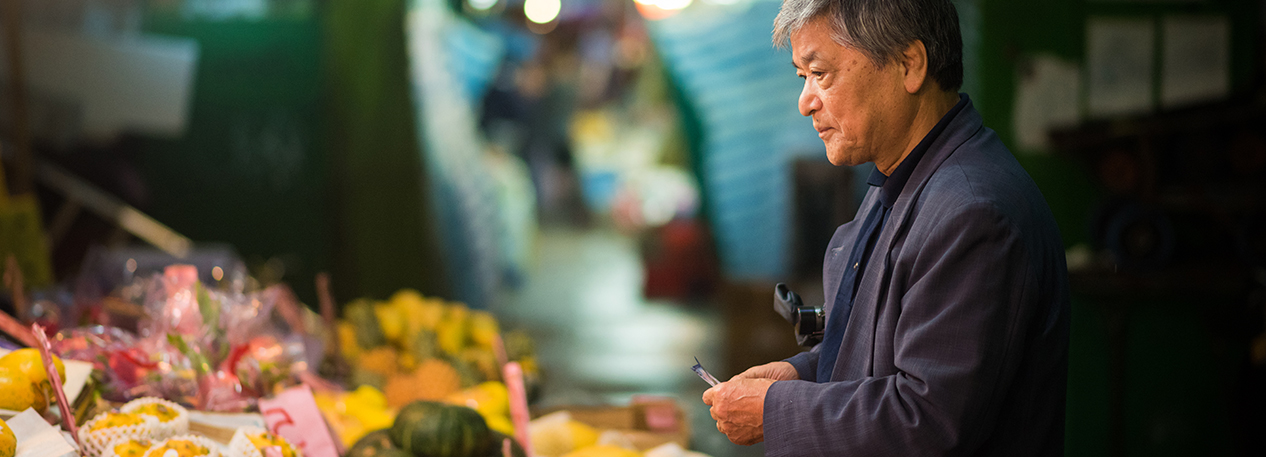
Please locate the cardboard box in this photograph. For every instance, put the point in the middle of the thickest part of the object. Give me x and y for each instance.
(647, 422)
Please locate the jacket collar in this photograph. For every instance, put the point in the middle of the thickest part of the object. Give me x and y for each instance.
(962, 127)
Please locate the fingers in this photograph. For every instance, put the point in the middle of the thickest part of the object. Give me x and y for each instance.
(780, 370)
(738, 408)
(753, 372)
(710, 395)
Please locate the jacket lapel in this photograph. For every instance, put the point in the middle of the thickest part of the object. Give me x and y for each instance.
(837, 256)
(870, 293)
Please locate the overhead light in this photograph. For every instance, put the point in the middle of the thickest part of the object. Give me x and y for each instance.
(542, 11)
(660, 9)
(482, 5)
(673, 4)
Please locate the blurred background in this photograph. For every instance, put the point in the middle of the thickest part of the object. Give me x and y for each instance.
(626, 180)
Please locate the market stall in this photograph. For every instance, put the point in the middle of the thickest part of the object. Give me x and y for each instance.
(168, 365)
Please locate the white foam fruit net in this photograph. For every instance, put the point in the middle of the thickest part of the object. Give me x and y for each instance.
(95, 441)
(213, 449)
(111, 449)
(241, 445)
(178, 425)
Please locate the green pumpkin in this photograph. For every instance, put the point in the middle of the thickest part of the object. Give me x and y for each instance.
(376, 444)
(431, 429)
(368, 331)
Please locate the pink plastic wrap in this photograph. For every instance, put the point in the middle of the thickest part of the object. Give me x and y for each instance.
(210, 349)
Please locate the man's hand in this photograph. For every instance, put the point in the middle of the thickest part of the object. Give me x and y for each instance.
(778, 371)
(738, 405)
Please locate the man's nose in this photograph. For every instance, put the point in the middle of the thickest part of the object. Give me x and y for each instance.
(809, 101)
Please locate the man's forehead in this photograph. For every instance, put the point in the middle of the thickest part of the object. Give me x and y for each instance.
(806, 41)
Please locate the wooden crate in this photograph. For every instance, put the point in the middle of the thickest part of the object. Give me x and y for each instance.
(647, 422)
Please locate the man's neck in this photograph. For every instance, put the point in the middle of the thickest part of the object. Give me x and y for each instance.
(928, 111)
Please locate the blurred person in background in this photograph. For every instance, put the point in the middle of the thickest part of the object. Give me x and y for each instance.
(947, 295)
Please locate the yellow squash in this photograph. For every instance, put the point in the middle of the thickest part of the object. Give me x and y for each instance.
(8, 442)
(28, 361)
(17, 393)
(604, 451)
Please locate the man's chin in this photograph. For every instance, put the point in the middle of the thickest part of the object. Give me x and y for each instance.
(841, 161)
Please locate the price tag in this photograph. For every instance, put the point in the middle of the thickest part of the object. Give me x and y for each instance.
(293, 415)
(513, 374)
(50, 370)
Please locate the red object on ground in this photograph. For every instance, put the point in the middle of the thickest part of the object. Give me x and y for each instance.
(679, 261)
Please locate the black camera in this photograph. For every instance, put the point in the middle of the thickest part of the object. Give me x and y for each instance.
(809, 322)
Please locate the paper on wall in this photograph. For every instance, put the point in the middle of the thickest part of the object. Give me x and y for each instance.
(1119, 54)
(1196, 59)
(141, 83)
(1048, 96)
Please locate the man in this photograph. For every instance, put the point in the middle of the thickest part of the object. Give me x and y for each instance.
(947, 296)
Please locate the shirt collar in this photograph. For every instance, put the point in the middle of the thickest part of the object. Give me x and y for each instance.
(890, 186)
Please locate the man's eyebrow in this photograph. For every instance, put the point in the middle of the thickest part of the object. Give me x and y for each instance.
(807, 58)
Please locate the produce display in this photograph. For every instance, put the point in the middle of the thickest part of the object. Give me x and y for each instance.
(411, 376)
(417, 348)
(215, 350)
(411, 348)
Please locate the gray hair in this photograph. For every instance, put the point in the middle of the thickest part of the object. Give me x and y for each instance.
(881, 29)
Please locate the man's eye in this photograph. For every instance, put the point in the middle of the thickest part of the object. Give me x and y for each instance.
(801, 75)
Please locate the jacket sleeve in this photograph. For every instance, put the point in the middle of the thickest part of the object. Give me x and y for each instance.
(806, 363)
(956, 347)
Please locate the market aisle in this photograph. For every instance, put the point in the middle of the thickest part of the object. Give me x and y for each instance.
(600, 342)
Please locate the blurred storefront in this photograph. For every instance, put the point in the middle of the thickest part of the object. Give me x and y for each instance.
(490, 152)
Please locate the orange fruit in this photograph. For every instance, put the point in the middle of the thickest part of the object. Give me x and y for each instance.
(28, 361)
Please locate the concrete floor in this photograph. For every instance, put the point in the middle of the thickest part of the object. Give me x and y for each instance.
(600, 342)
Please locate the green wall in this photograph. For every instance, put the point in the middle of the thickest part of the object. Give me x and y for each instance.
(1155, 360)
(1012, 31)
(250, 169)
(301, 147)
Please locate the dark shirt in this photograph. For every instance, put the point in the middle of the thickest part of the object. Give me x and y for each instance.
(889, 188)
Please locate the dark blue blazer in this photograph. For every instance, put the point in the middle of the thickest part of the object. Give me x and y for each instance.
(958, 339)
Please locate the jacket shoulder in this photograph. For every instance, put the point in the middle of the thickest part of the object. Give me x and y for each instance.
(983, 172)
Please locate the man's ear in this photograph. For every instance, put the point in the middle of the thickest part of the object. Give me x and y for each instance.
(914, 60)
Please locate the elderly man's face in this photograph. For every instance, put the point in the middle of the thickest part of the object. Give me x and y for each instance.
(858, 108)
